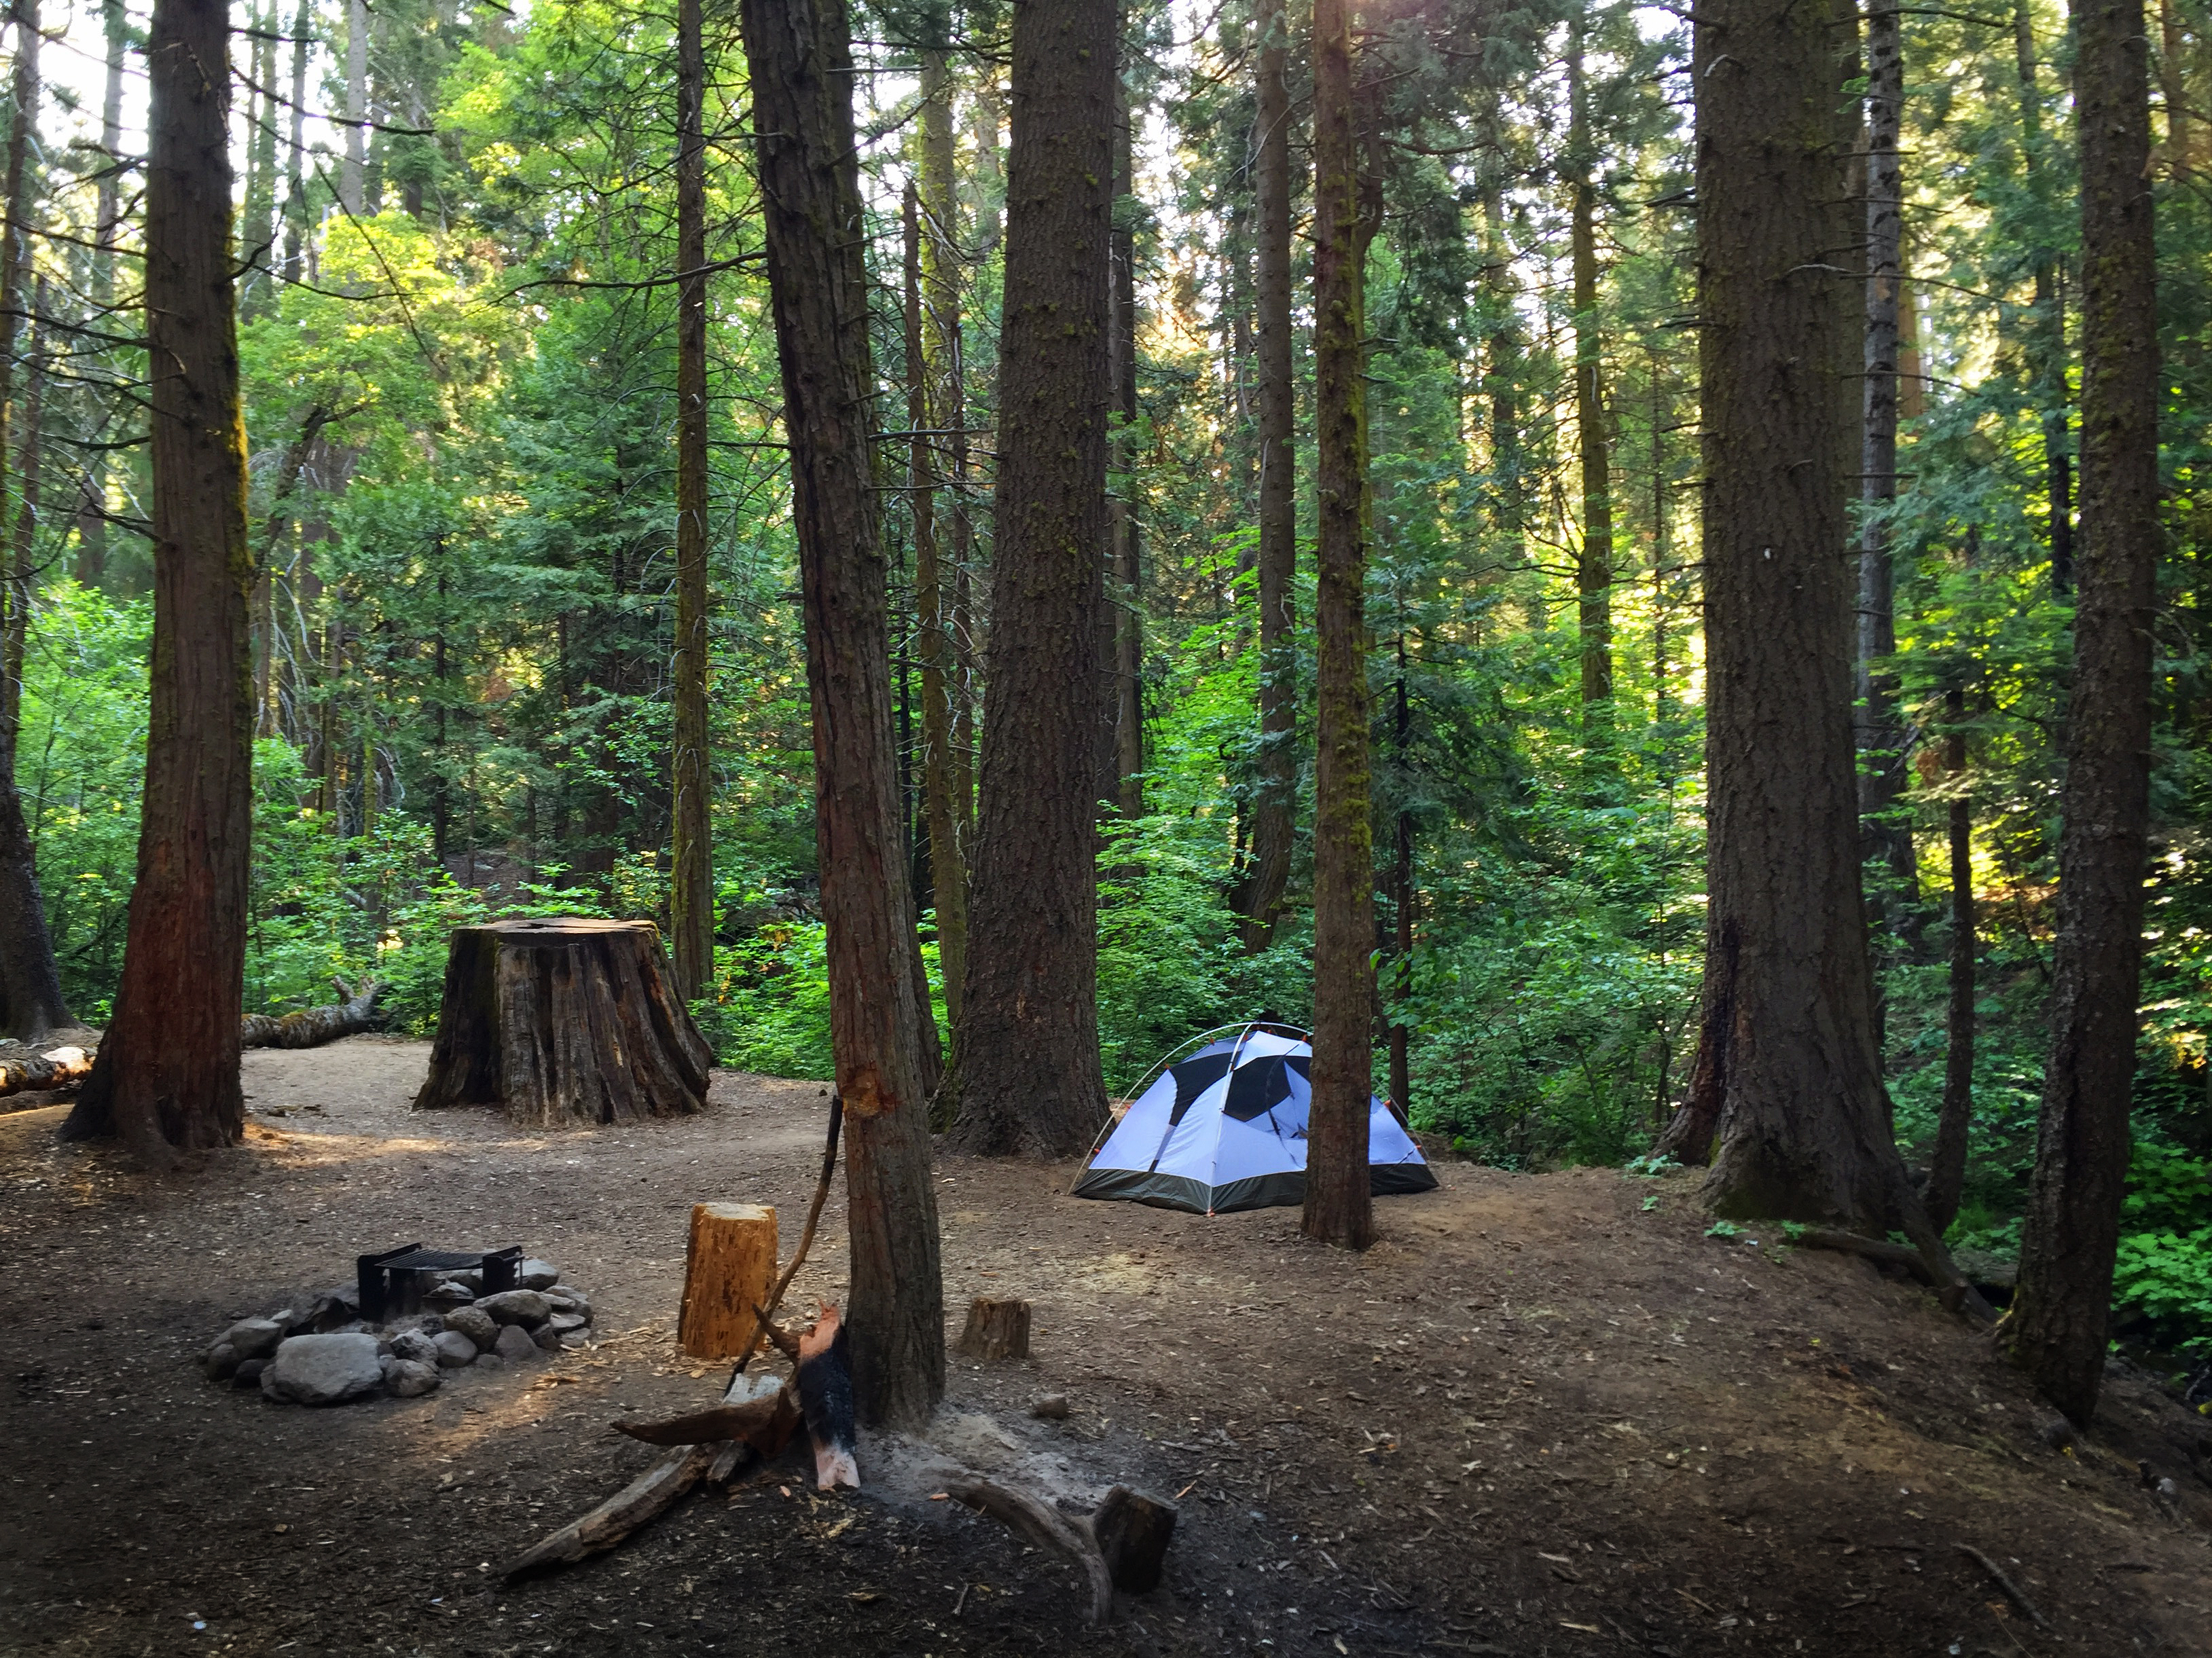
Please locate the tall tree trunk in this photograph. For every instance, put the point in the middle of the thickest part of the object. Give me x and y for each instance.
(1275, 800)
(1502, 376)
(1339, 1208)
(352, 170)
(1029, 1080)
(935, 402)
(1125, 589)
(22, 563)
(1946, 1171)
(2058, 1323)
(91, 505)
(691, 889)
(1881, 738)
(2173, 88)
(296, 190)
(2048, 362)
(1402, 898)
(1788, 1072)
(799, 58)
(947, 874)
(1594, 567)
(166, 1076)
(258, 238)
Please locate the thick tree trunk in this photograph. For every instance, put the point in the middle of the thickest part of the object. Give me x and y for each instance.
(947, 865)
(1946, 1171)
(564, 1022)
(2058, 1324)
(691, 886)
(1125, 586)
(1787, 1070)
(1339, 1206)
(1275, 800)
(1029, 1080)
(1881, 738)
(167, 1076)
(800, 57)
(1594, 567)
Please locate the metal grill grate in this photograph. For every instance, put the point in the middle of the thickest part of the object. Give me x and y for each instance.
(391, 1282)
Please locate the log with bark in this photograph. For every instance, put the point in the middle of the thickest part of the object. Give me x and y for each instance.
(29, 1073)
(1121, 1544)
(564, 1020)
(353, 1012)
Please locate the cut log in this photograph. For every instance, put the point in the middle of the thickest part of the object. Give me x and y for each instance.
(1133, 1531)
(354, 1012)
(636, 1504)
(1046, 1527)
(59, 1067)
(996, 1329)
(727, 1270)
(564, 1021)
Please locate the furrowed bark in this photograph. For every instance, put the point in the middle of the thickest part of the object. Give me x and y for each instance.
(1029, 1081)
(1275, 800)
(167, 1076)
(1594, 565)
(799, 56)
(1946, 1169)
(1339, 1207)
(2057, 1328)
(691, 886)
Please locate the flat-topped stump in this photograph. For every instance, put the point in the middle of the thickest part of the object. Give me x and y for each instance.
(563, 1021)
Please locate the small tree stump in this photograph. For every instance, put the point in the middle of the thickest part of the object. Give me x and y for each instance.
(1133, 1531)
(564, 1021)
(730, 1266)
(996, 1329)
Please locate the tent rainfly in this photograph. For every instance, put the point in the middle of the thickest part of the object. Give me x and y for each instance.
(1224, 1128)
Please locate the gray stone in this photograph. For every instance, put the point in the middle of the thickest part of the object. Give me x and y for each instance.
(489, 1363)
(248, 1375)
(413, 1347)
(409, 1379)
(561, 1323)
(514, 1343)
(454, 1350)
(221, 1362)
(476, 1324)
(324, 1369)
(448, 1294)
(574, 1341)
(254, 1337)
(384, 1349)
(290, 1320)
(547, 1338)
(524, 1307)
(539, 1274)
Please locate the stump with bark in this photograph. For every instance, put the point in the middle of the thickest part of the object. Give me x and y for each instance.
(564, 1021)
(727, 1273)
(996, 1329)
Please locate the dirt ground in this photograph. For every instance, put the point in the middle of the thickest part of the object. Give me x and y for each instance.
(1544, 1415)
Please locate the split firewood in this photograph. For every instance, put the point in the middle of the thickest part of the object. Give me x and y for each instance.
(59, 1067)
(996, 1329)
(354, 1012)
(1046, 1527)
(825, 1391)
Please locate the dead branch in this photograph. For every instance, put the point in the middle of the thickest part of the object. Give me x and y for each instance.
(1046, 1527)
(641, 1500)
(805, 1241)
(2012, 1591)
(764, 1424)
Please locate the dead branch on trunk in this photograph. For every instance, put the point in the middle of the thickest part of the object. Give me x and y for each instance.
(59, 1067)
(354, 1012)
(767, 1314)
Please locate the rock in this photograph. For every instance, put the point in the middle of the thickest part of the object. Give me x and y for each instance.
(248, 1375)
(448, 1294)
(561, 1323)
(524, 1307)
(383, 1344)
(324, 1369)
(410, 1379)
(414, 1347)
(454, 1350)
(489, 1363)
(221, 1362)
(575, 1340)
(547, 1338)
(1050, 1407)
(514, 1343)
(539, 1274)
(289, 1320)
(476, 1324)
(255, 1338)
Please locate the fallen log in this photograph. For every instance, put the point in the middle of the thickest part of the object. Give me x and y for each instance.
(765, 1422)
(59, 1067)
(642, 1499)
(354, 1012)
(1046, 1527)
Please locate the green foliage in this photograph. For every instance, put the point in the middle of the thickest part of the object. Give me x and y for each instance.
(2163, 1276)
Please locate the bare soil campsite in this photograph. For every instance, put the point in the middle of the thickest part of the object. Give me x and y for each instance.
(1544, 1415)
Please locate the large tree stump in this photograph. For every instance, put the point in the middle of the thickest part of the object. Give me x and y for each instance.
(729, 1269)
(996, 1329)
(564, 1021)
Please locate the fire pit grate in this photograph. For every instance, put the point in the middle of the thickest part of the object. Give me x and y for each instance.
(390, 1282)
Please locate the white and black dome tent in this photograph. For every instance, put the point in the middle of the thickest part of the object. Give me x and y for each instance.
(1224, 1127)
